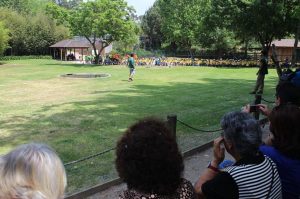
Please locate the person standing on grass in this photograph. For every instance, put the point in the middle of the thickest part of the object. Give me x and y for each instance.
(263, 70)
(131, 65)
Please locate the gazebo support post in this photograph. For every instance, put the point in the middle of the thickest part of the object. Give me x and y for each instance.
(61, 54)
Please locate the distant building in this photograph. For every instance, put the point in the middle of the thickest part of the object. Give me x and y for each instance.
(284, 49)
(76, 49)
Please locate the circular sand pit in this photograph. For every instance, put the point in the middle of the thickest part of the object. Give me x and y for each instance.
(86, 75)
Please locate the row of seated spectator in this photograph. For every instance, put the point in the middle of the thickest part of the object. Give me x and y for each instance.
(149, 161)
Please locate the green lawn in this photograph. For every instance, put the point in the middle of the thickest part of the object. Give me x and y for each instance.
(80, 117)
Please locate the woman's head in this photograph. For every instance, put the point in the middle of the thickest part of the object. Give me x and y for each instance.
(32, 171)
(148, 158)
(285, 126)
(242, 131)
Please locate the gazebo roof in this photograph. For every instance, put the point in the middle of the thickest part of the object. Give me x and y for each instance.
(76, 42)
(285, 43)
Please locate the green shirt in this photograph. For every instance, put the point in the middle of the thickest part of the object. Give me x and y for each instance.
(131, 62)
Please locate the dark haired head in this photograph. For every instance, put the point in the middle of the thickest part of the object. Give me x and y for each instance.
(148, 158)
(288, 93)
(131, 55)
(285, 126)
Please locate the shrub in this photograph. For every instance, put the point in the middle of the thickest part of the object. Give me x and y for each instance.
(8, 58)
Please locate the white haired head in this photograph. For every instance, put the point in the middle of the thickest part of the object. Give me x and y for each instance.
(32, 171)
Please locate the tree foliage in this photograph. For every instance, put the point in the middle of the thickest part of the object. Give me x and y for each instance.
(182, 21)
(31, 34)
(264, 20)
(25, 6)
(4, 37)
(151, 25)
(109, 20)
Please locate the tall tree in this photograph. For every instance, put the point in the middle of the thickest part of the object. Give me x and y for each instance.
(31, 34)
(264, 20)
(109, 20)
(296, 15)
(182, 21)
(152, 27)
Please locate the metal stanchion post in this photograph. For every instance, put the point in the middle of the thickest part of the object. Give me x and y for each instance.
(171, 123)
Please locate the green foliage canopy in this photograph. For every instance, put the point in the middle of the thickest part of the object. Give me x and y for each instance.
(109, 20)
(31, 34)
(182, 21)
(264, 20)
(4, 37)
(151, 25)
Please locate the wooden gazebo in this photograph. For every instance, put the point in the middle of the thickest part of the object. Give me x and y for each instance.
(77, 47)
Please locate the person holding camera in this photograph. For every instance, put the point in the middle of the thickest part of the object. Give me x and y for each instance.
(286, 92)
(253, 175)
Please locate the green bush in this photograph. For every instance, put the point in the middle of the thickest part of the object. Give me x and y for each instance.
(8, 58)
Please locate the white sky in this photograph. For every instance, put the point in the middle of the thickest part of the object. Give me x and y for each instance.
(141, 6)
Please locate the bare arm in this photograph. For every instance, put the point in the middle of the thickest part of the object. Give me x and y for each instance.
(208, 174)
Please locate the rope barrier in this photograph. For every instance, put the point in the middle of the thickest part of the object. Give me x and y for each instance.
(89, 157)
(261, 122)
(201, 130)
(271, 102)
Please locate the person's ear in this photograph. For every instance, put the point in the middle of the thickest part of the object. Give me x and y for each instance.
(277, 101)
(228, 145)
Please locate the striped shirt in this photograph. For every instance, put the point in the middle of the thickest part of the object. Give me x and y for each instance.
(256, 180)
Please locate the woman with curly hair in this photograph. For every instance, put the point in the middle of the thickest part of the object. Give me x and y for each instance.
(284, 147)
(149, 162)
(32, 171)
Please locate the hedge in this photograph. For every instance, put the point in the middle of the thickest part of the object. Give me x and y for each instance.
(8, 58)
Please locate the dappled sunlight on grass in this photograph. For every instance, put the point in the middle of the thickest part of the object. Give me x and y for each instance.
(80, 117)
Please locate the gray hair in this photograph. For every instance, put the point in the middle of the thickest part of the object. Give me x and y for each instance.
(32, 171)
(243, 131)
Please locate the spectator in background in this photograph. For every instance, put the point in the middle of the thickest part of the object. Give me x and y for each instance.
(296, 78)
(32, 171)
(286, 92)
(149, 162)
(286, 63)
(284, 147)
(253, 175)
(263, 70)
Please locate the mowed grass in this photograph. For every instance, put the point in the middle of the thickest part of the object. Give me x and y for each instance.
(81, 117)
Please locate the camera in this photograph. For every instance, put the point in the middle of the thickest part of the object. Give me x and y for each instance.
(253, 108)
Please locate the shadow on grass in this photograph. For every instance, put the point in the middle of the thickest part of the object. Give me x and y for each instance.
(65, 63)
(92, 126)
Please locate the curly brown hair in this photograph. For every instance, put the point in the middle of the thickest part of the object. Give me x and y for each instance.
(285, 126)
(148, 158)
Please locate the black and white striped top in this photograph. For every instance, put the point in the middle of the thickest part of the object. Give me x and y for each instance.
(257, 180)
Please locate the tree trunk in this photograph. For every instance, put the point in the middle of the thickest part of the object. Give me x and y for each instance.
(96, 54)
(297, 35)
(246, 48)
(276, 62)
(192, 57)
